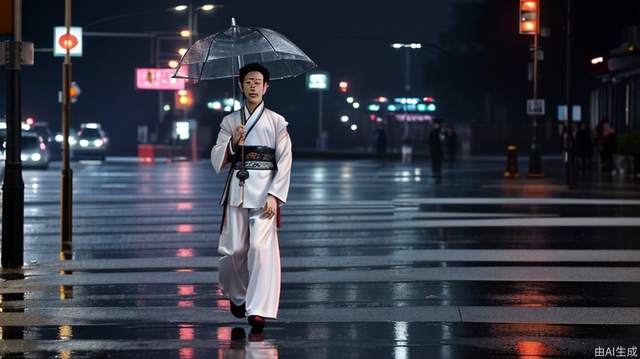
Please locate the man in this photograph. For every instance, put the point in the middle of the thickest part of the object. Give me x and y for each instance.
(451, 142)
(249, 271)
(435, 144)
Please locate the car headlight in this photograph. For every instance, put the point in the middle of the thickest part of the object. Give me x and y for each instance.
(72, 141)
(84, 143)
(35, 157)
(59, 138)
(24, 157)
(98, 143)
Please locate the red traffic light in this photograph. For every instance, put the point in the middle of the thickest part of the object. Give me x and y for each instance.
(68, 41)
(30, 121)
(529, 16)
(344, 86)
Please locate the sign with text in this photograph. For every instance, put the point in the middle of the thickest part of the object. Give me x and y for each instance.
(535, 107)
(60, 31)
(318, 81)
(158, 79)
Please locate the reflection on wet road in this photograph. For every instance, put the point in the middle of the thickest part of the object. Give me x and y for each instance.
(379, 261)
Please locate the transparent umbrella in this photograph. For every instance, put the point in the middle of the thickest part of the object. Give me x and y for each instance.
(222, 54)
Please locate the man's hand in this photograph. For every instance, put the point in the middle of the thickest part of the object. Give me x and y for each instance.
(271, 207)
(238, 135)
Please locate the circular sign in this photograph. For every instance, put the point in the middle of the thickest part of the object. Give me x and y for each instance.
(68, 41)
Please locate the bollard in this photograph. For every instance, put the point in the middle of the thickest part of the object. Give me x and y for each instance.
(511, 169)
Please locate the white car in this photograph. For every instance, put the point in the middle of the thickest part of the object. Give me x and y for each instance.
(91, 143)
(35, 153)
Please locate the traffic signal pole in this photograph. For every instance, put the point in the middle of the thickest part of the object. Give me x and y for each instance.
(66, 214)
(569, 155)
(535, 158)
(13, 185)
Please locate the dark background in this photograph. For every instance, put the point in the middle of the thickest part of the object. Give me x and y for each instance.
(480, 80)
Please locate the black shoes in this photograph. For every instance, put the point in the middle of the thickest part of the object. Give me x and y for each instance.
(238, 311)
(257, 323)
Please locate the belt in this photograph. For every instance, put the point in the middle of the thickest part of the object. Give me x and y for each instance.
(255, 158)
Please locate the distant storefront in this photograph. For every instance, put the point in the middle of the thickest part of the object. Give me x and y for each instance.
(616, 96)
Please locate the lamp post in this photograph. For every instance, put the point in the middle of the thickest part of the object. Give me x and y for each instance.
(192, 24)
(15, 54)
(319, 81)
(407, 70)
(66, 215)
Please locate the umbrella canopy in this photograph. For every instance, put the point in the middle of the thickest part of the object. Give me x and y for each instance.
(222, 54)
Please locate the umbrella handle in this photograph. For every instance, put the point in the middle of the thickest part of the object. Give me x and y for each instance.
(242, 174)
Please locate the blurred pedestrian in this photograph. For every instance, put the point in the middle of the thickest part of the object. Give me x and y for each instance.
(407, 149)
(609, 146)
(451, 143)
(584, 148)
(380, 138)
(435, 145)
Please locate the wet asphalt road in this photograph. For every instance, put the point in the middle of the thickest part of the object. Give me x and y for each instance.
(379, 261)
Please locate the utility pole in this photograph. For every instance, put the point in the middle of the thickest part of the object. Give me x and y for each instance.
(13, 54)
(407, 72)
(530, 25)
(66, 215)
(567, 133)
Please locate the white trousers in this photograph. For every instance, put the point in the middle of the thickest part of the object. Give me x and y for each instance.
(249, 271)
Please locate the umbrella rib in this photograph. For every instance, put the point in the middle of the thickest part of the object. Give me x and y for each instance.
(274, 50)
(204, 63)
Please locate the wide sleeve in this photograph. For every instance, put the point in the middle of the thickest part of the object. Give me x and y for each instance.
(280, 185)
(223, 147)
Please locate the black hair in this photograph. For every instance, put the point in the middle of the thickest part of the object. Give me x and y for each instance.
(254, 67)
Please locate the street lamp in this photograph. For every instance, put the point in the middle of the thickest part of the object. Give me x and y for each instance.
(185, 33)
(407, 69)
(193, 16)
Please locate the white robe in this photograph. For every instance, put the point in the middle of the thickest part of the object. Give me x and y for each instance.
(269, 131)
(249, 270)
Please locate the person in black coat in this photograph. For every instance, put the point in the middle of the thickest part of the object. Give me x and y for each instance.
(584, 148)
(451, 143)
(435, 144)
(609, 146)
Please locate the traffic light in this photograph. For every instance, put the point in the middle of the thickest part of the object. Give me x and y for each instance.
(30, 121)
(344, 86)
(74, 92)
(184, 99)
(529, 16)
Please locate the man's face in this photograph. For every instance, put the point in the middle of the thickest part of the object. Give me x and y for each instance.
(254, 87)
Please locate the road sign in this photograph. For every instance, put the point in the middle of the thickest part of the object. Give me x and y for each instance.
(318, 81)
(535, 107)
(60, 31)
